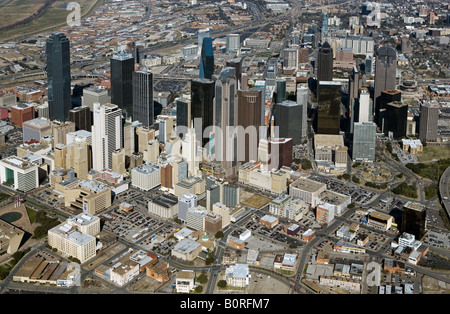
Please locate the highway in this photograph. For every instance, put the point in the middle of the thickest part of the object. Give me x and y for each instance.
(444, 193)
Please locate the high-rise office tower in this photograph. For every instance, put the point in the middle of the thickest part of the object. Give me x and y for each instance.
(94, 95)
(324, 23)
(186, 202)
(81, 116)
(329, 107)
(288, 120)
(325, 63)
(386, 97)
(364, 137)
(107, 135)
(122, 67)
(202, 107)
(143, 110)
(291, 58)
(249, 115)
(369, 65)
(414, 219)
(361, 108)
(233, 43)
(237, 64)
(183, 116)
(58, 74)
(396, 119)
(354, 84)
(207, 59)
(429, 116)
(226, 114)
(281, 91)
(303, 99)
(280, 151)
(385, 72)
(202, 33)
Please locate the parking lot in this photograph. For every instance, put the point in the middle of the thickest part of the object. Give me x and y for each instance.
(134, 226)
(359, 195)
(437, 239)
(276, 235)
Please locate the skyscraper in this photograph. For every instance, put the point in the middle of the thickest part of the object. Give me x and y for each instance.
(324, 23)
(237, 64)
(93, 95)
(414, 219)
(183, 115)
(385, 72)
(58, 74)
(325, 63)
(429, 116)
(386, 97)
(329, 107)
(364, 136)
(81, 116)
(143, 110)
(202, 106)
(233, 43)
(281, 91)
(395, 119)
(249, 115)
(122, 67)
(225, 113)
(207, 59)
(303, 99)
(107, 135)
(288, 119)
(202, 33)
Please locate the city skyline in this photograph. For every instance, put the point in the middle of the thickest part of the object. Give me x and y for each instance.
(193, 149)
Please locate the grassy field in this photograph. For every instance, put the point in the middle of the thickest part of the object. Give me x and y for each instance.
(13, 11)
(431, 152)
(51, 20)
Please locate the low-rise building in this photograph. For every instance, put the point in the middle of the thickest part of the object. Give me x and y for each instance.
(123, 273)
(269, 221)
(185, 281)
(238, 275)
(187, 250)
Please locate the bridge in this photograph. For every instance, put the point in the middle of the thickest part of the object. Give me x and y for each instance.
(444, 190)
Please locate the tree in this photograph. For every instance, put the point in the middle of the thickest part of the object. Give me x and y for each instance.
(219, 234)
(199, 289)
(202, 278)
(222, 284)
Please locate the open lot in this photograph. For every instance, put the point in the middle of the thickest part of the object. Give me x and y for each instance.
(52, 18)
(262, 284)
(431, 152)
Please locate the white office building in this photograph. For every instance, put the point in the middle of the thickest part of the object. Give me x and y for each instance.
(20, 173)
(107, 135)
(146, 176)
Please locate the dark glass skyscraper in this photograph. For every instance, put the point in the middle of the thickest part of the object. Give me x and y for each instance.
(288, 119)
(325, 63)
(202, 105)
(395, 119)
(58, 73)
(183, 115)
(207, 59)
(143, 110)
(122, 67)
(414, 219)
(385, 72)
(329, 108)
(81, 116)
(249, 114)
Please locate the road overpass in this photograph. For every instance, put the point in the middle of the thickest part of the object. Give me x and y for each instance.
(444, 184)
